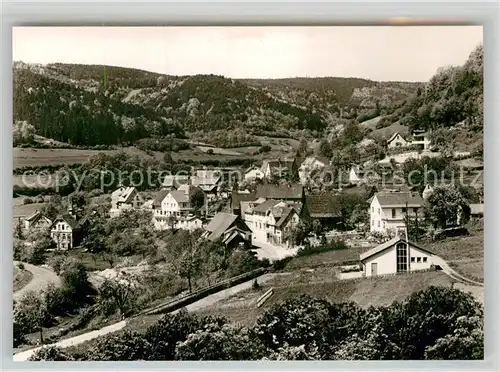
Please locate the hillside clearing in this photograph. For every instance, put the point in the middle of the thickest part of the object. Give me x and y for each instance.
(381, 291)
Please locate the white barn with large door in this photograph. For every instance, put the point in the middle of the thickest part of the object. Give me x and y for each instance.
(395, 256)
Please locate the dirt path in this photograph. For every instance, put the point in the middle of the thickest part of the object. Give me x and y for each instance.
(25, 355)
(42, 277)
(200, 304)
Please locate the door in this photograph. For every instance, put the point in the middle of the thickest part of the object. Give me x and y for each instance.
(374, 269)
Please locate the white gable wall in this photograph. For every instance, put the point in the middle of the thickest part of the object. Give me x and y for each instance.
(398, 141)
(387, 262)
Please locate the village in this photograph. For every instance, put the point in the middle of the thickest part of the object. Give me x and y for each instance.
(223, 214)
(267, 204)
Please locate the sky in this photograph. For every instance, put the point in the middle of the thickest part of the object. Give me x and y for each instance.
(381, 53)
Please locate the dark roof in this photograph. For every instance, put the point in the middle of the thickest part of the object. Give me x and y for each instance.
(399, 199)
(219, 224)
(237, 198)
(324, 205)
(263, 207)
(69, 219)
(269, 191)
(282, 213)
(388, 244)
(34, 216)
(172, 180)
(159, 196)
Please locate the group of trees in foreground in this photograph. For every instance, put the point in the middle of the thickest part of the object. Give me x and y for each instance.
(435, 323)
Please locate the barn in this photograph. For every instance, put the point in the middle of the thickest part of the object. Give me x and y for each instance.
(396, 256)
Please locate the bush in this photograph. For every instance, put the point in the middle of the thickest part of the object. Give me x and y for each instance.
(210, 151)
(20, 266)
(281, 264)
(27, 201)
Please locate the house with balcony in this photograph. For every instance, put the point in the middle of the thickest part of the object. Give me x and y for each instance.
(270, 220)
(209, 181)
(389, 210)
(421, 140)
(172, 209)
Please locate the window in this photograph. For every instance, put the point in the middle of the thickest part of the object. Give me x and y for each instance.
(415, 210)
(424, 259)
(379, 211)
(401, 257)
(413, 259)
(404, 210)
(373, 222)
(378, 223)
(393, 212)
(62, 226)
(419, 259)
(372, 209)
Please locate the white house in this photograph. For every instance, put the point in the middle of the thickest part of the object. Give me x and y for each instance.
(253, 173)
(388, 210)
(310, 164)
(208, 181)
(396, 256)
(125, 198)
(422, 140)
(172, 209)
(66, 231)
(397, 140)
(270, 219)
(37, 221)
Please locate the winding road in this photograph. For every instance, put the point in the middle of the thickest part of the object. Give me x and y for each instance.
(42, 277)
(204, 302)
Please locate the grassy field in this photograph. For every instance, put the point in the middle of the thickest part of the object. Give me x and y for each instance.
(465, 254)
(330, 258)
(21, 278)
(25, 210)
(322, 284)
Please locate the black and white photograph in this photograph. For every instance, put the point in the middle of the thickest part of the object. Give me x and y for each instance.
(231, 193)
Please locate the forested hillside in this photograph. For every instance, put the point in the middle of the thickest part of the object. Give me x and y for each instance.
(91, 104)
(453, 95)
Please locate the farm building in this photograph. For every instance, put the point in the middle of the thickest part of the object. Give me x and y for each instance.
(125, 198)
(396, 256)
(230, 229)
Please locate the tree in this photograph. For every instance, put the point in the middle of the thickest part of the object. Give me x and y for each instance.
(442, 207)
(221, 342)
(317, 228)
(76, 285)
(120, 294)
(359, 216)
(298, 321)
(196, 198)
(51, 353)
(324, 149)
(465, 342)
(124, 346)
(32, 313)
(171, 329)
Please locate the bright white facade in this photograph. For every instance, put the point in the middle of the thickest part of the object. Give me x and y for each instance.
(396, 141)
(254, 173)
(388, 210)
(396, 256)
(270, 220)
(422, 140)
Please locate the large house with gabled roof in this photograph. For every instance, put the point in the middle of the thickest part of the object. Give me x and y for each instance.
(37, 221)
(230, 229)
(389, 210)
(67, 230)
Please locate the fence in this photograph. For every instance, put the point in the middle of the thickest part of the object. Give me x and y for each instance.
(187, 299)
(265, 297)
